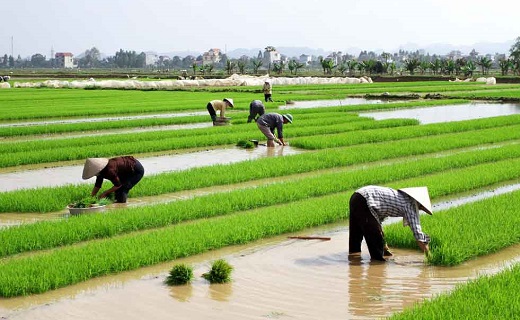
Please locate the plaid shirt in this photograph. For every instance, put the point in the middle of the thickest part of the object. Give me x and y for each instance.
(387, 202)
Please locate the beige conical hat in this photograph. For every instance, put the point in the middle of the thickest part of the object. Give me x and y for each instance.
(230, 102)
(420, 194)
(93, 166)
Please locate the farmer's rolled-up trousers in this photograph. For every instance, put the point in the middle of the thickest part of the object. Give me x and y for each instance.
(364, 224)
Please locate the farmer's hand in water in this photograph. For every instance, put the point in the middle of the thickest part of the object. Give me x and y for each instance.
(424, 246)
(386, 251)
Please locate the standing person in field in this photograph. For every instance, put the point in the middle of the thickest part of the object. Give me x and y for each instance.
(268, 122)
(220, 105)
(124, 172)
(370, 205)
(256, 108)
(268, 90)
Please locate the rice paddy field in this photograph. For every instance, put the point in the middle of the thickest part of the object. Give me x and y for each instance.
(203, 198)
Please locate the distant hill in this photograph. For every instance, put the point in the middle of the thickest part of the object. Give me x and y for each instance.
(437, 48)
(481, 48)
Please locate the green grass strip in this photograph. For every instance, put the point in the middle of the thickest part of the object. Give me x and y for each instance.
(487, 297)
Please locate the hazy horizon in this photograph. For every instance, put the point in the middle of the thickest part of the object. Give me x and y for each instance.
(171, 26)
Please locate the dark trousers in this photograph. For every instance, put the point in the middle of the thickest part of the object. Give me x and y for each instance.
(121, 194)
(267, 97)
(255, 111)
(212, 112)
(364, 224)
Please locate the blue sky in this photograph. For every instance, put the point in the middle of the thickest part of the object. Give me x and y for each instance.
(164, 26)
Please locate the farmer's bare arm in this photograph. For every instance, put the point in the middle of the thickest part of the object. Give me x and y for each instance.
(424, 246)
(94, 191)
(109, 191)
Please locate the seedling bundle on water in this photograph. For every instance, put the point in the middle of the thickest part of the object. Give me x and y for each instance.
(180, 274)
(220, 272)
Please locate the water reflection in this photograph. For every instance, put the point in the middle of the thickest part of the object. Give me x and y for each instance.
(51, 177)
(474, 110)
(182, 293)
(331, 103)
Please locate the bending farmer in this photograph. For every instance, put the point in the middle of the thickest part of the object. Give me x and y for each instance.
(370, 205)
(256, 108)
(220, 105)
(268, 122)
(124, 172)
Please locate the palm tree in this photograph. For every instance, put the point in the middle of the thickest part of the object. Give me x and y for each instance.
(411, 64)
(351, 64)
(515, 56)
(505, 65)
(230, 66)
(194, 66)
(435, 65)
(256, 64)
(485, 64)
(469, 68)
(241, 65)
(342, 68)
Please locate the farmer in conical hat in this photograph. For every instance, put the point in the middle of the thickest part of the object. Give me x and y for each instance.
(267, 88)
(268, 122)
(370, 205)
(220, 105)
(124, 172)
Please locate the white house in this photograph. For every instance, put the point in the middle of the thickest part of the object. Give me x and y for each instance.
(211, 56)
(64, 60)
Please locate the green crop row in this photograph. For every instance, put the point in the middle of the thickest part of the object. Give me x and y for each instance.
(504, 162)
(57, 198)
(44, 271)
(487, 297)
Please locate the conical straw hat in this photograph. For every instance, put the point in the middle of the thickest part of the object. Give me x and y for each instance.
(230, 102)
(93, 166)
(420, 194)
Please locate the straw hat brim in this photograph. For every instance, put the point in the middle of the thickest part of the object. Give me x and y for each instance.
(421, 195)
(93, 166)
(230, 102)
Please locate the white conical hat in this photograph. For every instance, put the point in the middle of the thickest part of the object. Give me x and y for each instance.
(420, 194)
(230, 102)
(93, 166)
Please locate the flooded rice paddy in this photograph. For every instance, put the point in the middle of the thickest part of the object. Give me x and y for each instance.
(277, 278)
(474, 110)
(56, 176)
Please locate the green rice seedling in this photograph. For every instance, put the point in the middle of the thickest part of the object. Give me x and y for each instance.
(487, 297)
(220, 272)
(180, 274)
(245, 144)
(451, 170)
(481, 228)
(53, 199)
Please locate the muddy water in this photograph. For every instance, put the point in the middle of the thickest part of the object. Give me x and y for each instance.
(278, 278)
(475, 110)
(331, 103)
(50, 177)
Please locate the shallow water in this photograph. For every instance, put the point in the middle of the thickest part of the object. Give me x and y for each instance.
(278, 278)
(474, 110)
(331, 103)
(56, 176)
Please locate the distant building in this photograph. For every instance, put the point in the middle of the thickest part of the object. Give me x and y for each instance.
(211, 56)
(64, 60)
(151, 58)
(305, 59)
(271, 56)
